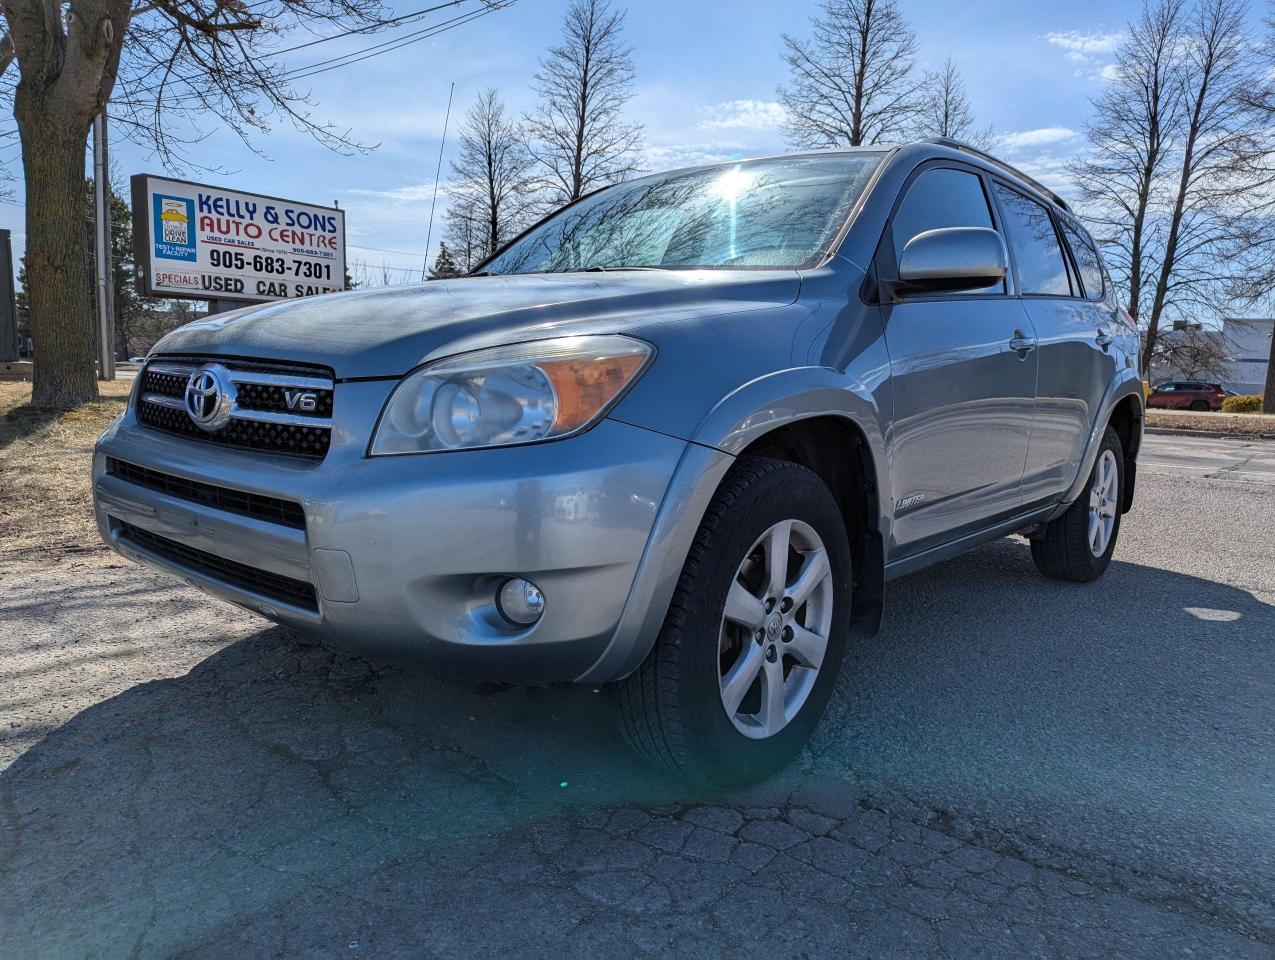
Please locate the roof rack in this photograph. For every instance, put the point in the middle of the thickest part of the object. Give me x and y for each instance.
(996, 161)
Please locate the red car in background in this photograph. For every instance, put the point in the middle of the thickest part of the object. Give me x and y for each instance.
(1187, 395)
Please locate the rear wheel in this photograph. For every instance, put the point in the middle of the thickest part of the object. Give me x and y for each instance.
(749, 652)
(1078, 545)
(1200, 406)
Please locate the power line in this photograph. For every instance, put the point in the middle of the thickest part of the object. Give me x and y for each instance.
(404, 253)
(355, 56)
(390, 45)
(369, 28)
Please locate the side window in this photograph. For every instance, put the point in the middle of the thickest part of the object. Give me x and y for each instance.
(1087, 261)
(942, 197)
(1041, 267)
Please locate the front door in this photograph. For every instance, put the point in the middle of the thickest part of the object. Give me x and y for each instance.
(963, 369)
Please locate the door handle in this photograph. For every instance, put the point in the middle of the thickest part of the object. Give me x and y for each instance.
(1022, 343)
(1104, 339)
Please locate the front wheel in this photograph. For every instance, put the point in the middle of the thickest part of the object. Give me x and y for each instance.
(1078, 545)
(749, 652)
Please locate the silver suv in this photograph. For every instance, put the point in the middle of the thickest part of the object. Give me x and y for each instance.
(675, 438)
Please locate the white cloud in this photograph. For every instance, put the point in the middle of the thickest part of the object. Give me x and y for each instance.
(742, 114)
(1085, 47)
(411, 193)
(1035, 139)
(657, 157)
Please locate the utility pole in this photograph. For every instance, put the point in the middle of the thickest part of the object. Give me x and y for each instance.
(102, 243)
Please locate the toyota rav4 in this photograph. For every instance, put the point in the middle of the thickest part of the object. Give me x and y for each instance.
(675, 438)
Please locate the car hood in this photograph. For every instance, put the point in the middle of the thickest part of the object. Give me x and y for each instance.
(387, 331)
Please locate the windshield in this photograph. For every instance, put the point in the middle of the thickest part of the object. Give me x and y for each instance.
(761, 213)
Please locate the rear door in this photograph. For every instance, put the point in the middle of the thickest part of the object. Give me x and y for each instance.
(1074, 332)
(964, 378)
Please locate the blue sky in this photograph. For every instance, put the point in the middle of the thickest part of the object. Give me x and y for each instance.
(706, 78)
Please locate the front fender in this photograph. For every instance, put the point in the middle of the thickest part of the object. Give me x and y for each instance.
(746, 414)
(784, 397)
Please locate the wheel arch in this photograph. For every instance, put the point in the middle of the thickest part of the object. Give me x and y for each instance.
(1122, 409)
(837, 450)
(1126, 419)
(766, 411)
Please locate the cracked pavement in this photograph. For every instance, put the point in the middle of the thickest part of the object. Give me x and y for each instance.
(1013, 768)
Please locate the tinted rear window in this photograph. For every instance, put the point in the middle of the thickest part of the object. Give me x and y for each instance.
(1087, 261)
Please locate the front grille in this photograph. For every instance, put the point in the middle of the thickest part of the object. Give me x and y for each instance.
(298, 593)
(270, 509)
(260, 417)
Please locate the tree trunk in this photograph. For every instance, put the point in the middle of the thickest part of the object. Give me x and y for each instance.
(1268, 401)
(59, 271)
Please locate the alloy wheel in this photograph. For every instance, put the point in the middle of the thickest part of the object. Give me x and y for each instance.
(774, 630)
(1102, 503)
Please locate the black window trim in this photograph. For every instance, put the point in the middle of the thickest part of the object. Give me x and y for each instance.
(1085, 237)
(1073, 279)
(885, 263)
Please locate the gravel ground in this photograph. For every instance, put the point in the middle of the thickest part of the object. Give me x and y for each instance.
(1014, 767)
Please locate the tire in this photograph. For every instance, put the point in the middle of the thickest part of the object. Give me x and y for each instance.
(673, 708)
(1200, 406)
(1064, 550)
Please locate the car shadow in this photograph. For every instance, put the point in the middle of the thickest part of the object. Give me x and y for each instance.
(166, 815)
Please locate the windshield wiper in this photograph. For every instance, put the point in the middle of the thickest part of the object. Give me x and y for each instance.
(598, 268)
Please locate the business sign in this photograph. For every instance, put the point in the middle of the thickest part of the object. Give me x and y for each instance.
(203, 243)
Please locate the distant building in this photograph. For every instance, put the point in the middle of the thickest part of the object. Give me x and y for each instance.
(1236, 355)
(1248, 348)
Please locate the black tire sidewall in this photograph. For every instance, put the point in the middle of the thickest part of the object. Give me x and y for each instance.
(718, 750)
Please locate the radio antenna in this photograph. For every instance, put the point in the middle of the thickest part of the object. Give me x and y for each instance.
(438, 172)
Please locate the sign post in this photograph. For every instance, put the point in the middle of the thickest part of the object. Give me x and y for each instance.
(8, 308)
(102, 244)
(200, 242)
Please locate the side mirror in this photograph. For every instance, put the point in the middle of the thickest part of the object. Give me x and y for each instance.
(951, 259)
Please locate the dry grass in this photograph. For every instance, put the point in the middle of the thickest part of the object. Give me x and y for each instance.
(1240, 425)
(45, 462)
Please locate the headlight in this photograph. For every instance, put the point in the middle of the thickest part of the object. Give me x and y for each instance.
(518, 394)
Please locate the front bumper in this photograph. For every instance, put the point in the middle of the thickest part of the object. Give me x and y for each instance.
(405, 554)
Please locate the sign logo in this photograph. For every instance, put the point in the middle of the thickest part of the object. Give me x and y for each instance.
(909, 503)
(210, 397)
(174, 228)
(302, 400)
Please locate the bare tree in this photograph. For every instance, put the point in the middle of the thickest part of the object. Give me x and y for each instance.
(168, 67)
(853, 81)
(578, 133)
(1223, 193)
(492, 178)
(465, 239)
(945, 109)
(1121, 176)
(1189, 351)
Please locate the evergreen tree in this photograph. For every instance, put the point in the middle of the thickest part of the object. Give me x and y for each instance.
(444, 265)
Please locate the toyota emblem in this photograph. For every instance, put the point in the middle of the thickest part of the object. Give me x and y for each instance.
(210, 397)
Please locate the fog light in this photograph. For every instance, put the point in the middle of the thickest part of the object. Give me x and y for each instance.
(520, 602)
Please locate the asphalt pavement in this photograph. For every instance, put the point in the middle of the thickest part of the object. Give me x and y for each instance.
(1013, 767)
